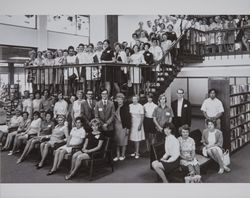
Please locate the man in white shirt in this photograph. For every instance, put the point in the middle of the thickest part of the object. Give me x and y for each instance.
(212, 107)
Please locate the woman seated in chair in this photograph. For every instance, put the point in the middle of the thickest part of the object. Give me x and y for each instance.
(46, 128)
(170, 159)
(187, 151)
(58, 134)
(212, 140)
(75, 140)
(23, 126)
(33, 129)
(92, 144)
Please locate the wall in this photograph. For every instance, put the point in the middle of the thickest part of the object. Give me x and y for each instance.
(41, 38)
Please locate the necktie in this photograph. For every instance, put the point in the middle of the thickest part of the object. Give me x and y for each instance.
(104, 104)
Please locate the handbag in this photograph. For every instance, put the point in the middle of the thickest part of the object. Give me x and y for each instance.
(226, 157)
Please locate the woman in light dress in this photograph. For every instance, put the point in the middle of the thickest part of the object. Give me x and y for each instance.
(137, 131)
(212, 140)
(77, 106)
(135, 71)
(187, 151)
(165, 45)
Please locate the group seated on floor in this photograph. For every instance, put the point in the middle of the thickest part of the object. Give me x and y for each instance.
(85, 130)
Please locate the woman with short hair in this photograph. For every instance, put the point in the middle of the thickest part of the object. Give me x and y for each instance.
(58, 134)
(212, 140)
(61, 106)
(187, 151)
(93, 143)
(170, 160)
(122, 125)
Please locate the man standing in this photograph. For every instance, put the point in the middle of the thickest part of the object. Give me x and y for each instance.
(182, 111)
(212, 107)
(105, 111)
(88, 110)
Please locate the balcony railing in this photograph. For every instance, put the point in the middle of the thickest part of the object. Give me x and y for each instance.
(217, 42)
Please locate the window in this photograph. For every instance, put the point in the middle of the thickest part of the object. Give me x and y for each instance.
(71, 24)
(28, 21)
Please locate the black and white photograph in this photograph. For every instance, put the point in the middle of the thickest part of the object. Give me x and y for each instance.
(157, 99)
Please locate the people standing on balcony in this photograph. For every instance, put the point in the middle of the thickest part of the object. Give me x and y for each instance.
(104, 111)
(182, 111)
(161, 31)
(140, 30)
(107, 57)
(219, 35)
(143, 37)
(122, 125)
(61, 106)
(48, 73)
(119, 73)
(165, 46)
(211, 48)
(37, 102)
(88, 110)
(81, 55)
(137, 130)
(77, 107)
(46, 128)
(230, 34)
(148, 122)
(70, 73)
(170, 160)
(38, 74)
(149, 26)
(162, 114)
(212, 108)
(135, 71)
(59, 71)
(135, 38)
(246, 36)
(172, 37)
(212, 139)
(239, 33)
(156, 50)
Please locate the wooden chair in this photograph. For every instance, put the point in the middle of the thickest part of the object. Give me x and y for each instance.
(102, 158)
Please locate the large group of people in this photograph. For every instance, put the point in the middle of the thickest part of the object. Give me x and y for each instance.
(80, 126)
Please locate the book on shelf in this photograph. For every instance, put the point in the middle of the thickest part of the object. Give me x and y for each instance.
(235, 89)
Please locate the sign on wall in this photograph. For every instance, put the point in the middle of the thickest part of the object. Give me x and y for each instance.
(28, 21)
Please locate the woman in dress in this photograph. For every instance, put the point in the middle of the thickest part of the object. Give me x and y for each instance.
(37, 102)
(92, 144)
(23, 126)
(212, 140)
(76, 138)
(46, 128)
(137, 130)
(170, 160)
(165, 45)
(187, 151)
(61, 106)
(59, 71)
(58, 134)
(122, 126)
(77, 106)
(39, 76)
(230, 34)
(48, 73)
(135, 71)
(33, 129)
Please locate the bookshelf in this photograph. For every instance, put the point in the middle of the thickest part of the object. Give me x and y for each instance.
(235, 121)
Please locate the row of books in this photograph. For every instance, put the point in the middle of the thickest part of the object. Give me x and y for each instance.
(239, 99)
(239, 120)
(240, 141)
(238, 131)
(234, 111)
(234, 89)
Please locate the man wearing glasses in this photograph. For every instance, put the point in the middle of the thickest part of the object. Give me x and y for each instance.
(182, 111)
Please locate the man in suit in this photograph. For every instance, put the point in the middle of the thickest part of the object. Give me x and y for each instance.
(182, 111)
(104, 111)
(88, 112)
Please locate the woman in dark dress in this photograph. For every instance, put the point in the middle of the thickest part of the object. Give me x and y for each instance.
(122, 126)
(92, 144)
(107, 57)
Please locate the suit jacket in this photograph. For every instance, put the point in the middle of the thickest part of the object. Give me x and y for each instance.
(105, 115)
(185, 112)
(88, 112)
(125, 115)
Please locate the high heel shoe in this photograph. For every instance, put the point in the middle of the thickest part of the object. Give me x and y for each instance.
(38, 167)
(50, 173)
